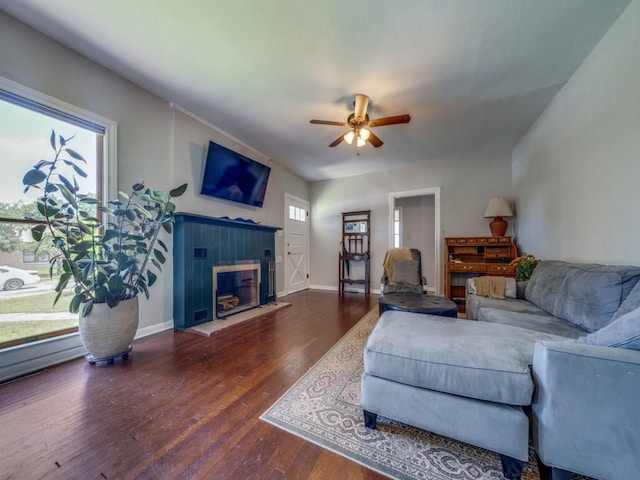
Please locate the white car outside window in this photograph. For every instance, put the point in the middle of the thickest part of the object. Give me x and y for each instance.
(15, 278)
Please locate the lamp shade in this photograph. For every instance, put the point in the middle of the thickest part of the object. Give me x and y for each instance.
(498, 207)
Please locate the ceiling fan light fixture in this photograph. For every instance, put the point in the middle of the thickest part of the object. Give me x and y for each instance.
(364, 134)
(360, 142)
(348, 137)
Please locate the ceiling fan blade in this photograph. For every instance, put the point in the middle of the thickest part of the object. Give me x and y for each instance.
(381, 122)
(360, 108)
(374, 140)
(329, 122)
(338, 140)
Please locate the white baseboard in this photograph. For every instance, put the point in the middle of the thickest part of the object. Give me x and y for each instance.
(150, 330)
(347, 289)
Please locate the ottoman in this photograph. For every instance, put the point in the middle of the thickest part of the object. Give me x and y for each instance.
(417, 303)
(463, 379)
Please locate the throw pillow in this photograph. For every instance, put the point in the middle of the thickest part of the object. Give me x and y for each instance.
(624, 332)
(405, 272)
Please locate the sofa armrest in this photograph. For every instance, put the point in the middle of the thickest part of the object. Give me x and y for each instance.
(585, 414)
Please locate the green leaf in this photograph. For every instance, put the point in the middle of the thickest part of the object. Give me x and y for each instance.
(160, 195)
(157, 264)
(115, 285)
(57, 297)
(33, 177)
(130, 214)
(87, 270)
(159, 256)
(79, 171)
(38, 231)
(162, 244)
(109, 235)
(152, 277)
(176, 192)
(100, 294)
(86, 306)
(62, 282)
(68, 195)
(66, 183)
(52, 140)
(75, 155)
(144, 197)
(142, 286)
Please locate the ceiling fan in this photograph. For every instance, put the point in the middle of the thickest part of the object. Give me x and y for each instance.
(360, 126)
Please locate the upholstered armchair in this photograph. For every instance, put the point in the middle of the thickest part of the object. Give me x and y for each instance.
(402, 271)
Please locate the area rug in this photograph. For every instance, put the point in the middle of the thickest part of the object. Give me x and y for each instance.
(216, 325)
(323, 407)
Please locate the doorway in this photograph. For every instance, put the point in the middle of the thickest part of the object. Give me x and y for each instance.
(418, 226)
(296, 244)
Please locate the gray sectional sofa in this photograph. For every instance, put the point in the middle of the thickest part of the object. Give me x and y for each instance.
(560, 364)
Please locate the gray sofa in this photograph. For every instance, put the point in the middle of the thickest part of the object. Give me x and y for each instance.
(561, 363)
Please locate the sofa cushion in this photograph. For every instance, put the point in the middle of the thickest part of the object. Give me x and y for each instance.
(540, 323)
(586, 295)
(476, 302)
(624, 332)
(479, 360)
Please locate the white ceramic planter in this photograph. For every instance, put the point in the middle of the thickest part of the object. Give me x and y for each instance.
(108, 332)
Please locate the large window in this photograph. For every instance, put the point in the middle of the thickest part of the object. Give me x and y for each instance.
(27, 279)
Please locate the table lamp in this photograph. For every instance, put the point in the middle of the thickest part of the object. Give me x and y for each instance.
(498, 207)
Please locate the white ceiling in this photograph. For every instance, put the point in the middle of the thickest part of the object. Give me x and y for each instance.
(473, 74)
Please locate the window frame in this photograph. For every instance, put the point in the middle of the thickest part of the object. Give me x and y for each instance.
(397, 233)
(21, 359)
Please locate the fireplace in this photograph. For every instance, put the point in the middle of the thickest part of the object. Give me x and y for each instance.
(236, 287)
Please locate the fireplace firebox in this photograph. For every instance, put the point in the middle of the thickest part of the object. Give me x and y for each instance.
(236, 287)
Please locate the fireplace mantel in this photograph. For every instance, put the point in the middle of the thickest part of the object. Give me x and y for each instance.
(223, 221)
(199, 244)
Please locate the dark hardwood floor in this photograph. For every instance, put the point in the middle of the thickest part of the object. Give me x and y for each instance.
(183, 406)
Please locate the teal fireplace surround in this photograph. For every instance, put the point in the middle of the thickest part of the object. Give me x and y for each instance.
(199, 244)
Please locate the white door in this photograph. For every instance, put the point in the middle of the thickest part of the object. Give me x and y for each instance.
(296, 244)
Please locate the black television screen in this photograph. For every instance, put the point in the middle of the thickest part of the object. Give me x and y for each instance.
(234, 177)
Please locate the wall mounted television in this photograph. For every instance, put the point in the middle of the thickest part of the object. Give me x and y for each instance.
(234, 177)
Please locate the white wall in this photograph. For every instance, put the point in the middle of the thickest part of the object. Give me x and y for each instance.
(577, 171)
(466, 184)
(156, 143)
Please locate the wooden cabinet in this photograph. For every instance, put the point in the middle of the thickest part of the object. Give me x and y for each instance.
(474, 256)
(354, 259)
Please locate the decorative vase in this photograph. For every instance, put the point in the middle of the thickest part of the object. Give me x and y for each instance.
(498, 227)
(107, 333)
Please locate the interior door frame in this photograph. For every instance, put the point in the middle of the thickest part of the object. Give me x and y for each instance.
(421, 192)
(287, 197)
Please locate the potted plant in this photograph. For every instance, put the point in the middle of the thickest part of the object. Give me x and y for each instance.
(525, 264)
(108, 250)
